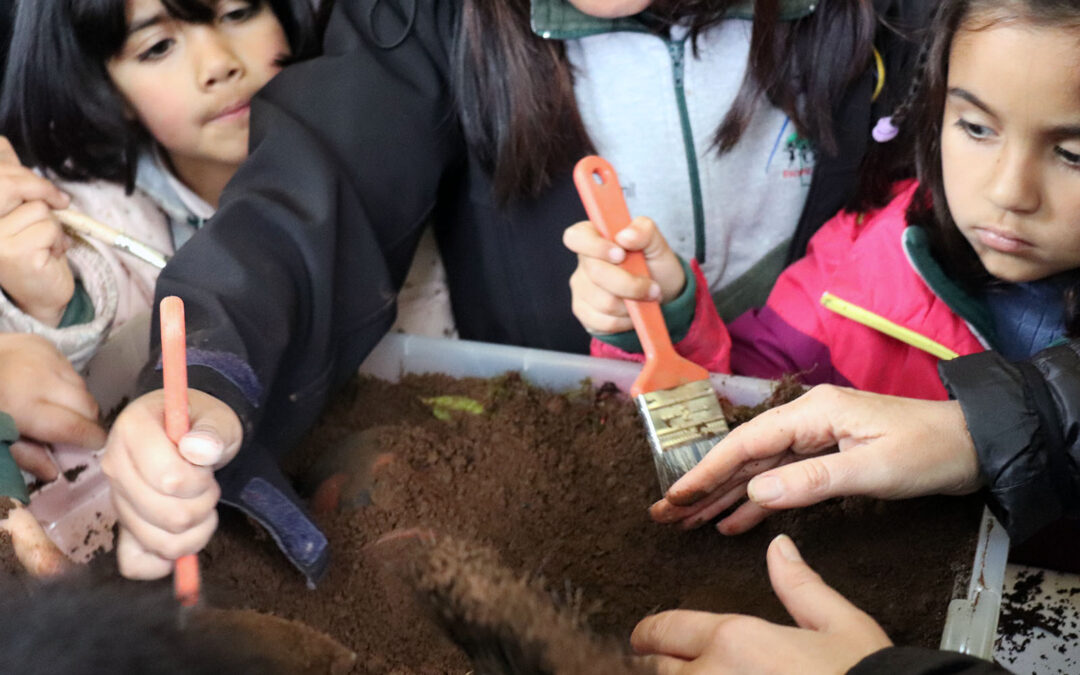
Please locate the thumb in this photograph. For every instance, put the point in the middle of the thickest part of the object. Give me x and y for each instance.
(204, 446)
(215, 435)
(813, 480)
(809, 600)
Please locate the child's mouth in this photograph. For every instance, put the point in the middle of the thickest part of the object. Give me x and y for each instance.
(1000, 241)
(233, 112)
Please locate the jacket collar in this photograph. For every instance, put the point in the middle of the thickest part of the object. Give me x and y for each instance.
(559, 20)
(970, 309)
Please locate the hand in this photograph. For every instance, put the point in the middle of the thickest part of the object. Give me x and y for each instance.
(165, 495)
(832, 637)
(34, 550)
(599, 286)
(47, 399)
(889, 448)
(34, 270)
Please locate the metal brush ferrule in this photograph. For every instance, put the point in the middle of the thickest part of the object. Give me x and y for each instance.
(684, 414)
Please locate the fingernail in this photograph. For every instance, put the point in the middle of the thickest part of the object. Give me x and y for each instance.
(654, 291)
(201, 450)
(787, 548)
(616, 255)
(764, 489)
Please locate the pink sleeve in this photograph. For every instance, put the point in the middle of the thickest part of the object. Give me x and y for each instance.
(707, 343)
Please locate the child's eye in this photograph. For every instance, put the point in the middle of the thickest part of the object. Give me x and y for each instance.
(976, 131)
(237, 14)
(157, 50)
(1069, 157)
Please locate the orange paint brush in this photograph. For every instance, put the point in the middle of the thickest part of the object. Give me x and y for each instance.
(174, 372)
(674, 395)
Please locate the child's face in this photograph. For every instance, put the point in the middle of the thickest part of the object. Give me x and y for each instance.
(190, 84)
(1010, 147)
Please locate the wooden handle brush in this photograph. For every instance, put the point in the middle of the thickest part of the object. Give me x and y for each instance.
(85, 226)
(682, 415)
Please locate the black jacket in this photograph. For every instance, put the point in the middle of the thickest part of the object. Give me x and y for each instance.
(1025, 421)
(294, 280)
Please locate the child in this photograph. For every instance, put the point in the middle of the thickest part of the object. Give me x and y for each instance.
(981, 253)
(140, 109)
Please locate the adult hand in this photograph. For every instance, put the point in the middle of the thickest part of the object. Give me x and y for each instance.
(165, 494)
(889, 447)
(833, 635)
(47, 399)
(34, 270)
(599, 287)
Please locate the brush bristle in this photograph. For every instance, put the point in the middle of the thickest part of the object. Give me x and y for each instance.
(683, 424)
(672, 464)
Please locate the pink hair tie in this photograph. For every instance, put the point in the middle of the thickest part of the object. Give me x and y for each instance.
(884, 131)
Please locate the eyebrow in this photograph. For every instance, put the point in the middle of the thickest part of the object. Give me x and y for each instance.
(972, 99)
(145, 23)
(1062, 131)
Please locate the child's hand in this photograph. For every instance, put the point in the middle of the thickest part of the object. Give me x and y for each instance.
(47, 399)
(34, 270)
(37, 554)
(599, 286)
(166, 495)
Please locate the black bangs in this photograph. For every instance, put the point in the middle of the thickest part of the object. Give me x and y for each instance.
(101, 25)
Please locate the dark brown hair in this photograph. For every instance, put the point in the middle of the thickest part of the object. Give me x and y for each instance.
(515, 90)
(921, 121)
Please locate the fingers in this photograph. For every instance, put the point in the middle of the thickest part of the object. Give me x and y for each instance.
(816, 479)
(185, 535)
(165, 495)
(216, 433)
(680, 633)
(584, 239)
(34, 458)
(135, 562)
(19, 184)
(815, 605)
(34, 550)
(798, 427)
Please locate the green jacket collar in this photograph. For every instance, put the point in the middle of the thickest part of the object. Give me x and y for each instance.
(559, 20)
(970, 309)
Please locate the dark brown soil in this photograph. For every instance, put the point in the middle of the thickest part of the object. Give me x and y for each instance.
(559, 485)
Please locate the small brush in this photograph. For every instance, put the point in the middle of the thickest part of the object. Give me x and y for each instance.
(674, 396)
(186, 582)
(85, 226)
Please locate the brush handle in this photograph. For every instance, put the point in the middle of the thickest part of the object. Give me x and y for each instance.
(84, 225)
(174, 374)
(602, 196)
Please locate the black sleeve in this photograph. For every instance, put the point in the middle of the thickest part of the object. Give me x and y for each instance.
(918, 661)
(1025, 421)
(294, 279)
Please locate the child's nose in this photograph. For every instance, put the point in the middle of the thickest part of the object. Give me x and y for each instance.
(217, 61)
(1015, 181)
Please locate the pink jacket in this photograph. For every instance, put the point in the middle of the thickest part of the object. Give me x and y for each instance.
(859, 258)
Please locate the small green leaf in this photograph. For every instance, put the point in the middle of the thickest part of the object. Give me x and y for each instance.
(441, 406)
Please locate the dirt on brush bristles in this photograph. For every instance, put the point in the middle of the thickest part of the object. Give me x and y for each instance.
(507, 623)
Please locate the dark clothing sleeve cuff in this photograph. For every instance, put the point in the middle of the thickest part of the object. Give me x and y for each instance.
(11, 479)
(678, 315)
(80, 308)
(919, 661)
(1011, 440)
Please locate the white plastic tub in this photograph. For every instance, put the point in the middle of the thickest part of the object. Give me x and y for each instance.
(971, 622)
